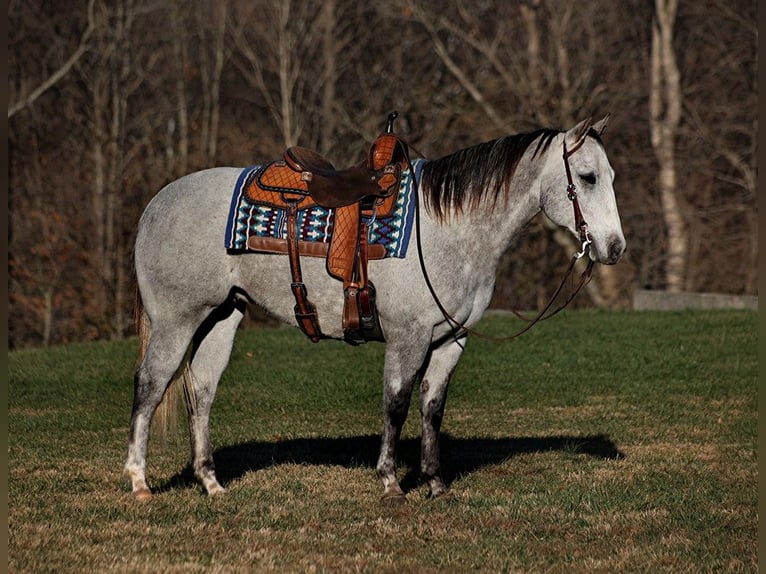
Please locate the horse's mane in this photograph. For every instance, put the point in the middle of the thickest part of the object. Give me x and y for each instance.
(468, 175)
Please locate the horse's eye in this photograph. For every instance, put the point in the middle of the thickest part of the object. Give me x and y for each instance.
(589, 178)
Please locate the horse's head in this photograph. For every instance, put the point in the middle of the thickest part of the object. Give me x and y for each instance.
(592, 176)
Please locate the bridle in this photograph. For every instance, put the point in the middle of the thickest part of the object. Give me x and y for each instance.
(459, 330)
(580, 224)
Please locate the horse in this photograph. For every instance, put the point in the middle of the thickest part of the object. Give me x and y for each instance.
(471, 205)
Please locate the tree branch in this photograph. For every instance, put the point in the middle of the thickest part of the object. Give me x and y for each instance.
(455, 69)
(61, 72)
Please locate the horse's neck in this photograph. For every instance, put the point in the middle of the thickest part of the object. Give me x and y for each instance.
(482, 234)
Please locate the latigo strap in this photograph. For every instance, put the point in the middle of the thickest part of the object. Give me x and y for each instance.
(305, 311)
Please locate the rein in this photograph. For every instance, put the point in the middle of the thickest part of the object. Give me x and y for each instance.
(459, 330)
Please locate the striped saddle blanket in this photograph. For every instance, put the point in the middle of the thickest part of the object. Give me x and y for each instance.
(254, 227)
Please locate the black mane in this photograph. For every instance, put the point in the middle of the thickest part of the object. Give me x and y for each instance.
(484, 169)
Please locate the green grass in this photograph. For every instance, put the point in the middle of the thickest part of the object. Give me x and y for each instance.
(596, 442)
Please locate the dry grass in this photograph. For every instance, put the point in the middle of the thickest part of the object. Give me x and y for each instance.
(655, 472)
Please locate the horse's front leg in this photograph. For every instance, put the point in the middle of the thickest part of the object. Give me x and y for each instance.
(402, 365)
(433, 398)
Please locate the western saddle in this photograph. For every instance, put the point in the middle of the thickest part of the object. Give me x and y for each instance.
(358, 194)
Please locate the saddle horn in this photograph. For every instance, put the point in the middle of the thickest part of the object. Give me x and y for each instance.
(390, 123)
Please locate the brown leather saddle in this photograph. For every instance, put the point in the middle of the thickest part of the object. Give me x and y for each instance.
(303, 179)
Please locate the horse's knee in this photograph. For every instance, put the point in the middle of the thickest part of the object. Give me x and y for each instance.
(397, 399)
(433, 398)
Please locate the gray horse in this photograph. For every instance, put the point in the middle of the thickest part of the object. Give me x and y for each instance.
(472, 205)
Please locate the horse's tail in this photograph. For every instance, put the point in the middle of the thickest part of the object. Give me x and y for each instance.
(166, 415)
(143, 327)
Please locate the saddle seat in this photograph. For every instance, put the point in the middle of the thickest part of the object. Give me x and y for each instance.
(304, 178)
(329, 187)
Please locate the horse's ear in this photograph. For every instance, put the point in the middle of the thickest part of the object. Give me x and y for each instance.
(600, 126)
(577, 133)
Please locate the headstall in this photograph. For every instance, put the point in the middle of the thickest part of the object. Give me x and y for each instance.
(459, 330)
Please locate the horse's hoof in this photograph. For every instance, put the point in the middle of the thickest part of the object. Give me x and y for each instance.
(393, 499)
(439, 493)
(393, 495)
(437, 488)
(142, 494)
(216, 490)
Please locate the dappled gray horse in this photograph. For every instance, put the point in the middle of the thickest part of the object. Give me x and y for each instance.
(472, 204)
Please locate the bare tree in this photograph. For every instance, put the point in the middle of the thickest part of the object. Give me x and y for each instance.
(720, 124)
(61, 71)
(432, 26)
(550, 82)
(110, 91)
(329, 24)
(180, 123)
(279, 61)
(111, 100)
(664, 117)
(211, 77)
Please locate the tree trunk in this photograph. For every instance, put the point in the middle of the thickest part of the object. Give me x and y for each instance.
(179, 166)
(215, 83)
(99, 94)
(121, 68)
(210, 74)
(534, 66)
(110, 106)
(285, 80)
(665, 116)
(329, 55)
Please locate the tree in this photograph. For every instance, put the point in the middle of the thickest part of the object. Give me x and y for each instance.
(112, 100)
(211, 69)
(30, 98)
(664, 117)
(720, 124)
(277, 63)
(543, 83)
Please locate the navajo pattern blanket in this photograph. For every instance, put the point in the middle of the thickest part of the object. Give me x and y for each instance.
(247, 219)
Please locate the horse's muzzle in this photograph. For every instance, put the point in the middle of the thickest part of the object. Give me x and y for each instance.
(609, 252)
(615, 249)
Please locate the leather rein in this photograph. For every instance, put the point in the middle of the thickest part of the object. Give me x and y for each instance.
(459, 330)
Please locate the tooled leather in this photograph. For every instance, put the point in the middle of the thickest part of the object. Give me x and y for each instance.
(342, 253)
(276, 183)
(278, 246)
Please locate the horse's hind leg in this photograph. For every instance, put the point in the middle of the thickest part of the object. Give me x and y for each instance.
(164, 354)
(433, 397)
(210, 355)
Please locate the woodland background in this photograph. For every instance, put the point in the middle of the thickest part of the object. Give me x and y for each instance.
(109, 101)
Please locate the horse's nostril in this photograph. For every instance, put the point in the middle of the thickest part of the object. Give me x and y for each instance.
(616, 249)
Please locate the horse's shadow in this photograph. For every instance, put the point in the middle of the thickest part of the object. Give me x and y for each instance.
(460, 456)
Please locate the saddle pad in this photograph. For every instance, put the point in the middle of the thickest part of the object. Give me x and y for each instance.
(247, 219)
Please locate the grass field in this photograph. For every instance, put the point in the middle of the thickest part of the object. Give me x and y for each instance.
(596, 442)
